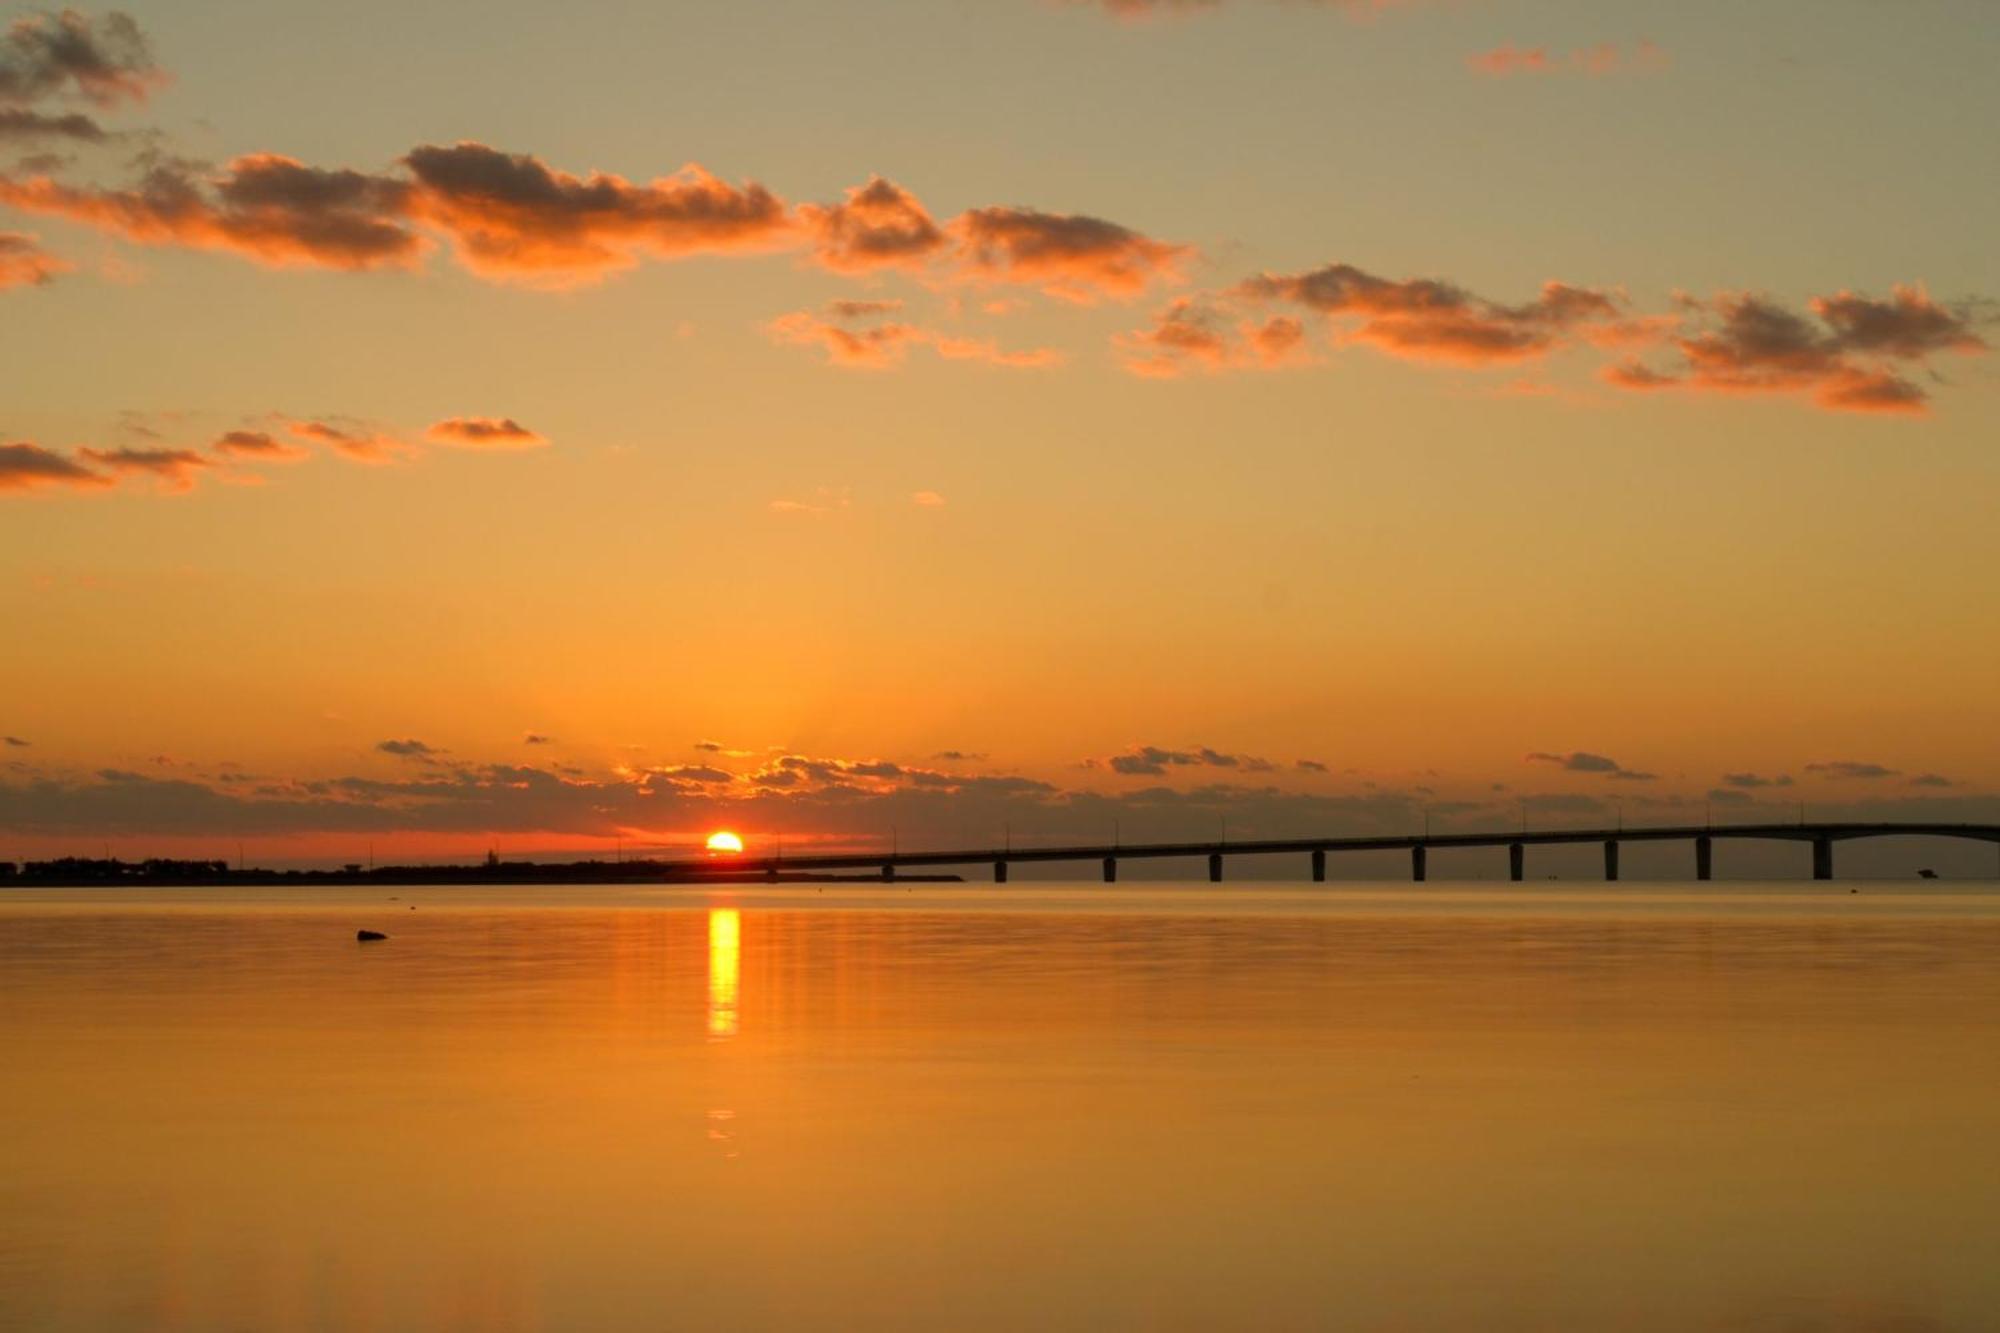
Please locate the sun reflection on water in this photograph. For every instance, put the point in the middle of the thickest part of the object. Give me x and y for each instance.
(724, 963)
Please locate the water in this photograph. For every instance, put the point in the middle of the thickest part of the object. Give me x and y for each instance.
(1396, 1108)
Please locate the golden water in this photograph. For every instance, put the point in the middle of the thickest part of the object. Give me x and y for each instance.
(1399, 1107)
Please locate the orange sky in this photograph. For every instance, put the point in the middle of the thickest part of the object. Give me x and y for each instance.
(1369, 402)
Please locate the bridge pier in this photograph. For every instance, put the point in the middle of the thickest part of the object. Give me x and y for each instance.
(1611, 860)
(1517, 858)
(1319, 866)
(1110, 870)
(1417, 859)
(1704, 858)
(1215, 867)
(1822, 858)
(999, 872)
(888, 872)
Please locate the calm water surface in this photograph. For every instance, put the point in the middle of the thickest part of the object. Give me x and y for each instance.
(1408, 1108)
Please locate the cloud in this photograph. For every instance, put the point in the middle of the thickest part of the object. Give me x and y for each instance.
(355, 443)
(1137, 10)
(825, 500)
(958, 756)
(1851, 769)
(829, 802)
(874, 347)
(1932, 780)
(701, 773)
(263, 206)
(103, 61)
(176, 469)
(859, 310)
(508, 216)
(536, 738)
(15, 742)
(1152, 760)
(19, 124)
(23, 262)
(717, 747)
(927, 500)
(1197, 334)
(484, 433)
(511, 216)
(1752, 780)
(1604, 58)
(257, 446)
(410, 748)
(1070, 256)
(1310, 766)
(1582, 761)
(885, 346)
(1857, 357)
(1426, 319)
(879, 225)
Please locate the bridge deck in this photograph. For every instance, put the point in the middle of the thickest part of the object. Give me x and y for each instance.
(1796, 832)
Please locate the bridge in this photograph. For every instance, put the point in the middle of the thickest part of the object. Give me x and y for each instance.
(1703, 837)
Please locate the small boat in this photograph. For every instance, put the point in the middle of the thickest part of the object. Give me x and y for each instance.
(1927, 874)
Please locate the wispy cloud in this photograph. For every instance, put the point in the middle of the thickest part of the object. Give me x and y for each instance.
(105, 61)
(484, 433)
(25, 466)
(24, 263)
(1582, 761)
(1851, 769)
(1509, 60)
(1855, 354)
(850, 341)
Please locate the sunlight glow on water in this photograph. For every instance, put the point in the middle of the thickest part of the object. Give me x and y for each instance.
(1372, 1108)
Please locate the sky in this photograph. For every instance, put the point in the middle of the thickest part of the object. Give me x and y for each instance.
(458, 425)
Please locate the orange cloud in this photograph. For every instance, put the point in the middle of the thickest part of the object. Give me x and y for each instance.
(511, 216)
(264, 207)
(1139, 10)
(25, 466)
(256, 446)
(484, 433)
(1510, 59)
(1198, 334)
(886, 345)
(1070, 256)
(1604, 58)
(1855, 359)
(876, 347)
(1427, 320)
(23, 262)
(356, 444)
(175, 469)
(927, 500)
(880, 225)
(46, 54)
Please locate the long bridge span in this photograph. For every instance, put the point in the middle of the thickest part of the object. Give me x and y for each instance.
(1703, 837)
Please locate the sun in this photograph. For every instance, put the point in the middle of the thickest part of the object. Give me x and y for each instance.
(724, 841)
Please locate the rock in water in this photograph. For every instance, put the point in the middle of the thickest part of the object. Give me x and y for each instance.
(369, 935)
